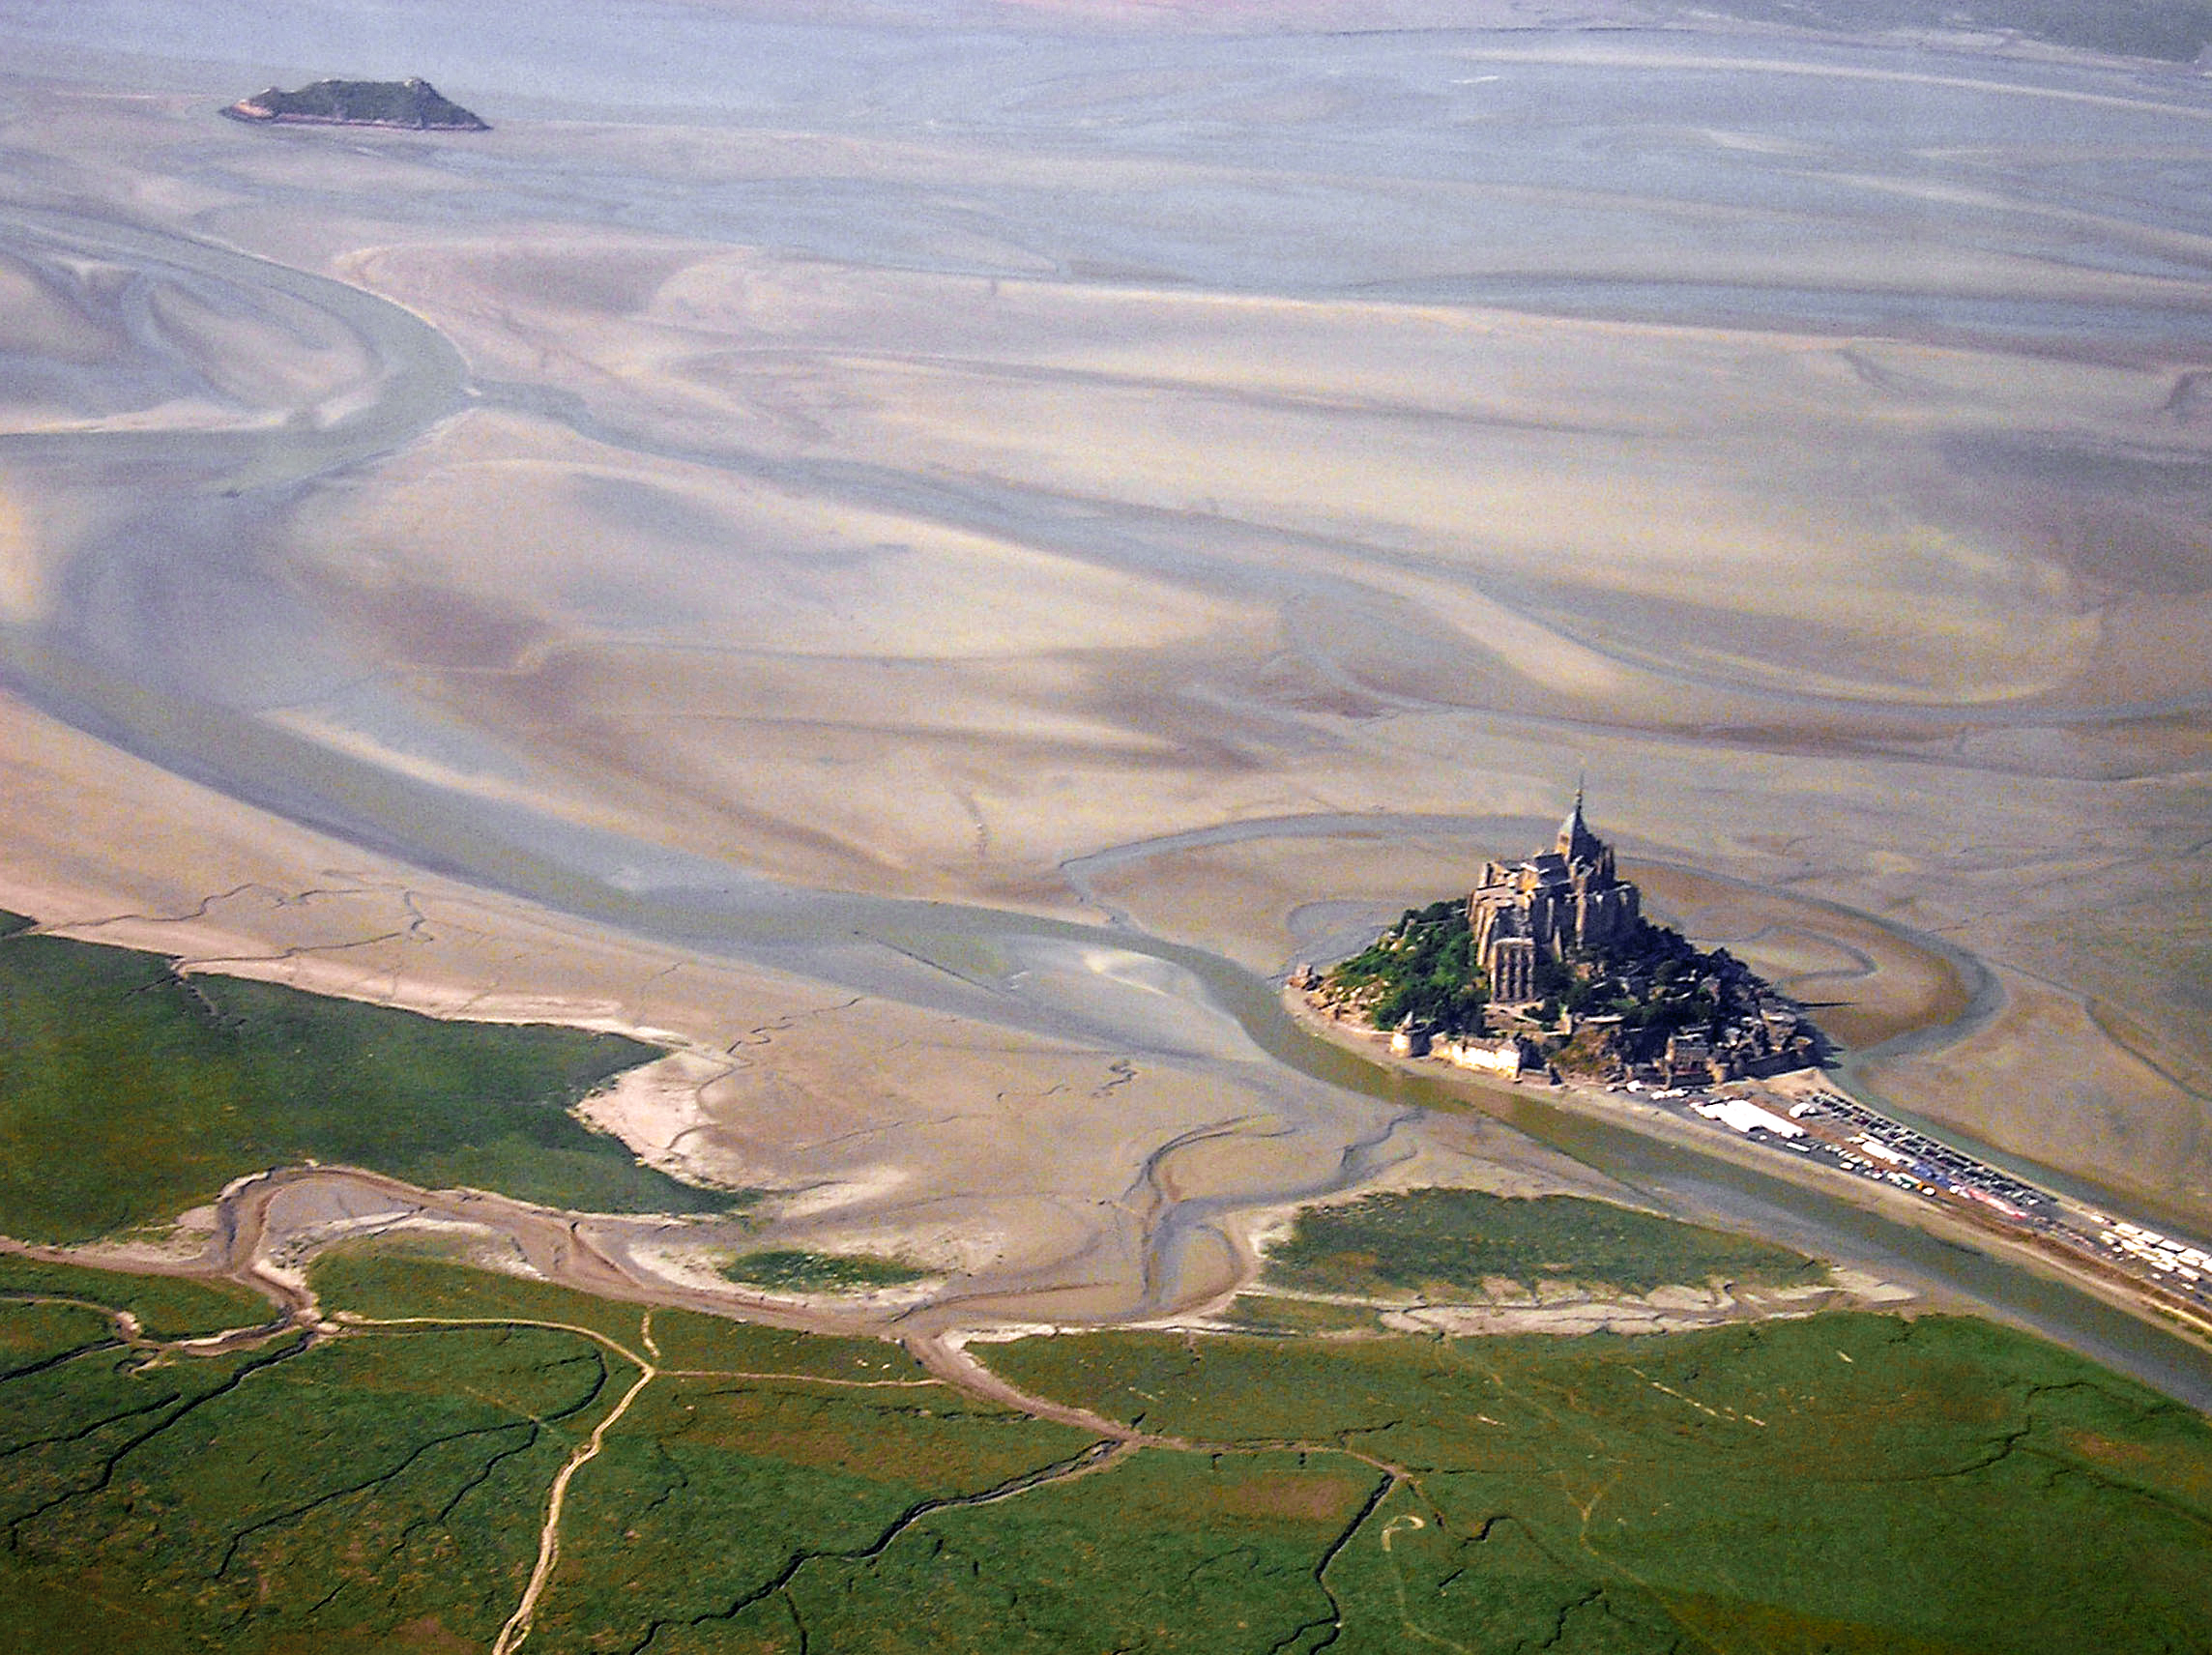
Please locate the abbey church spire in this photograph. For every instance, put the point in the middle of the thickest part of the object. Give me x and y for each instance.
(1577, 843)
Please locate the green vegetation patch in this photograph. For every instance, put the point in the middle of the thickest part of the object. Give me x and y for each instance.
(351, 1497)
(713, 1490)
(1273, 1313)
(384, 1280)
(1454, 1239)
(381, 1282)
(129, 1094)
(165, 1306)
(1163, 1552)
(382, 1490)
(689, 1339)
(1853, 1485)
(1422, 967)
(1837, 1483)
(789, 1271)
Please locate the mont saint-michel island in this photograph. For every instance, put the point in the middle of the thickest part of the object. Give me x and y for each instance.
(1551, 964)
(411, 105)
(1549, 968)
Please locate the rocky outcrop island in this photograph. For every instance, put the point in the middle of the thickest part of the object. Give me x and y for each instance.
(1551, 965)
(411, 106)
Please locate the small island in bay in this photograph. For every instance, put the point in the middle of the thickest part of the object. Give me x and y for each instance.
(1549, 963)
(411, 106)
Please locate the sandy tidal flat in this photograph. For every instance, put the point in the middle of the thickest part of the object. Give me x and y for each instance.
(762, 562)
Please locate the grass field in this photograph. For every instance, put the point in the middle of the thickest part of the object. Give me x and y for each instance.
(373, 1280)
(359, 1497)
(382, 1490)
(165, 1307)
(1271, 1312)
(1849, 1484)
(1442, 1240)
(790, 1271)
(1842, 1484)
(128, 1094)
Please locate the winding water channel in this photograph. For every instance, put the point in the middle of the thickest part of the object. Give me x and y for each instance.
(169, 637)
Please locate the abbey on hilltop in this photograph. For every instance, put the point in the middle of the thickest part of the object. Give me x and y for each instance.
(1560, 902)
(1550, 962)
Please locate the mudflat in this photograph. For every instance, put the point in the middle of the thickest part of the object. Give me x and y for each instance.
(853, 564)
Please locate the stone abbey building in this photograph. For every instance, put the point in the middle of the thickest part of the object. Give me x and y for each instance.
(1559, 902)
